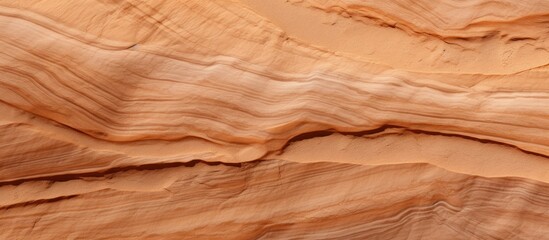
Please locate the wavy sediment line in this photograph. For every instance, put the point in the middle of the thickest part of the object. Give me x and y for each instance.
(423, 37)
(387, 145)
(251, 119)
(293, 107)
(360, 208)
(476, 25)
(93, 40)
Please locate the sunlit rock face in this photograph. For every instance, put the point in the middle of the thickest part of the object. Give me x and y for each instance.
(274, 119)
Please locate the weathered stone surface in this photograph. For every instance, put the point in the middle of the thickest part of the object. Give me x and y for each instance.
(300, 119)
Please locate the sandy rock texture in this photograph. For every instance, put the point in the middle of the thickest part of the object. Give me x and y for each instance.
(274, 119)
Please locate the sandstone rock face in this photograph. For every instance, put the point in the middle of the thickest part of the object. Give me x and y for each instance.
(274, 119)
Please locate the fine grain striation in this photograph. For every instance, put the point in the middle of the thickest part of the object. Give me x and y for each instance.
(278, 119)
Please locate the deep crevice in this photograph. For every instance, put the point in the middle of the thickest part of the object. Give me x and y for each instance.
(111, 171)
(485, 141)
(300, 137)
(38, 202)
(328, 132)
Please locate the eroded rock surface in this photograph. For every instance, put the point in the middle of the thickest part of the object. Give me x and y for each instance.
(300, 119)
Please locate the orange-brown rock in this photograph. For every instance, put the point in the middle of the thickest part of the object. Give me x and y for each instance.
(299, 119)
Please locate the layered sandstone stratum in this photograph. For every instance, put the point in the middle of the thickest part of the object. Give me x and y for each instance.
(274, 119)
